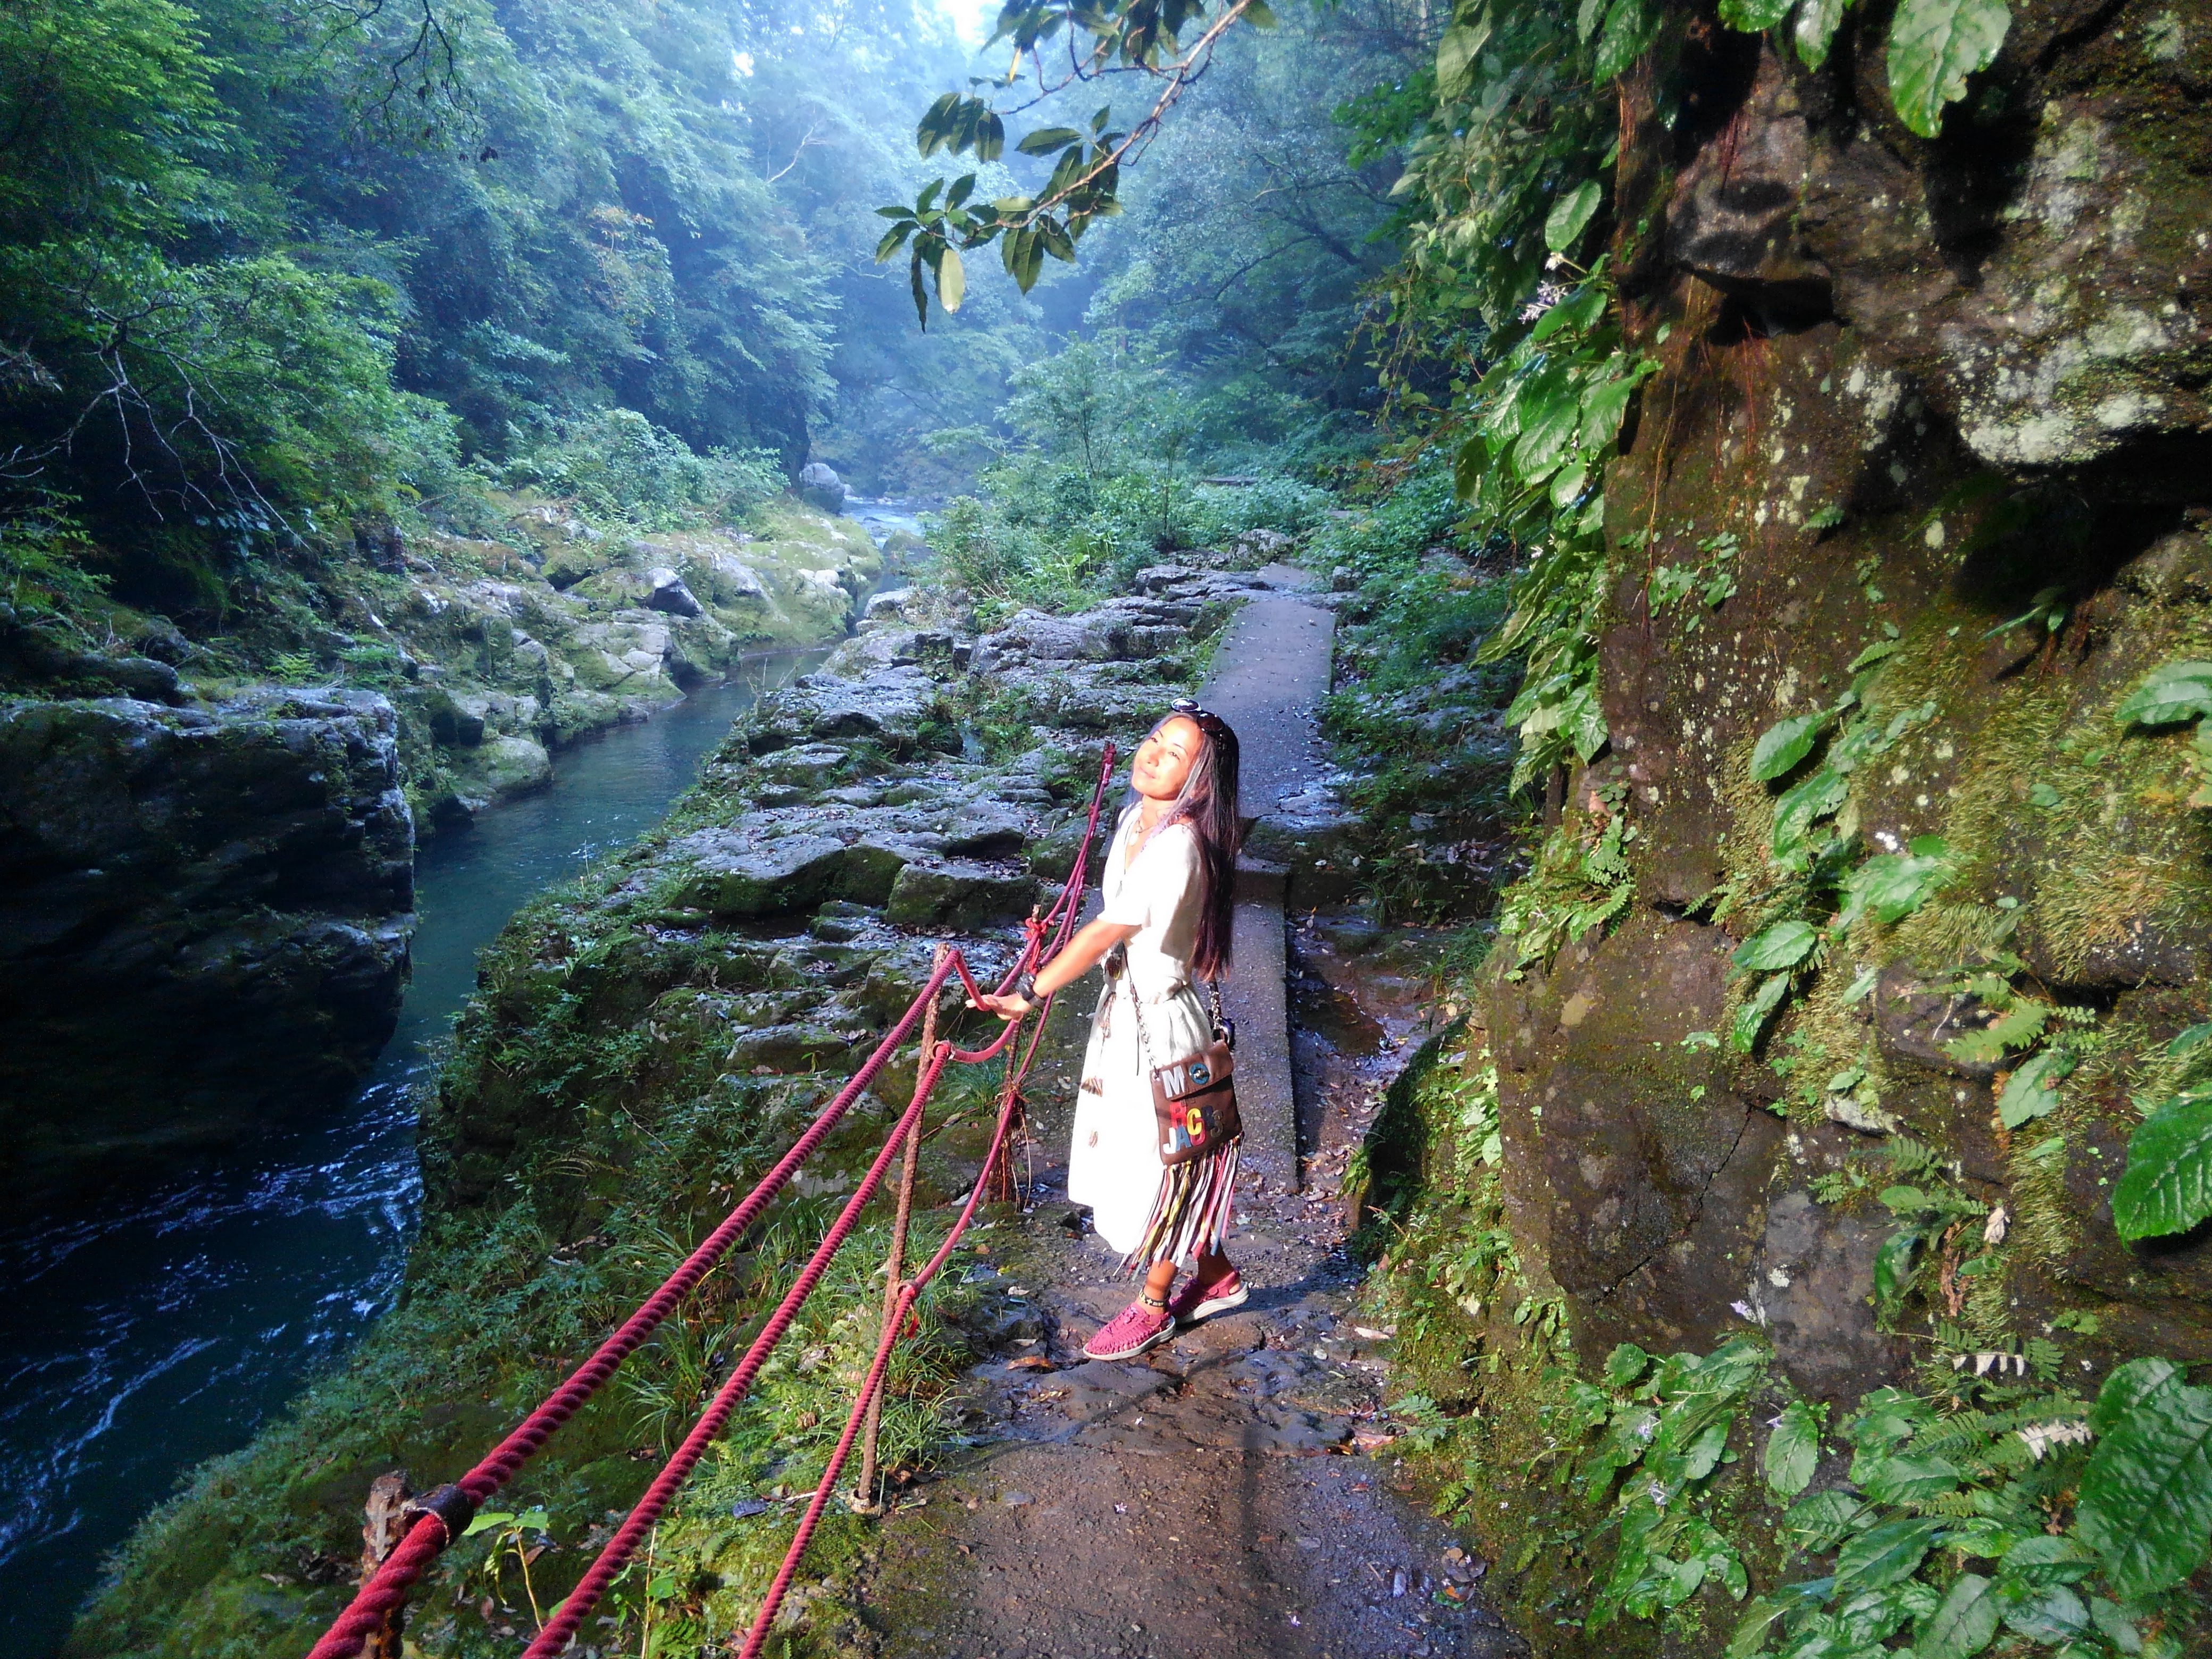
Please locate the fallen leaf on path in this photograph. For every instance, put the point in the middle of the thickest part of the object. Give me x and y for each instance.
(1030, 1362)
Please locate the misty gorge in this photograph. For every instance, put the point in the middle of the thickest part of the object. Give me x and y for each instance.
(582, 584)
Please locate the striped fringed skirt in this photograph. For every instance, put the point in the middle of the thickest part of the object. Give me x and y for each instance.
(1190, 1218)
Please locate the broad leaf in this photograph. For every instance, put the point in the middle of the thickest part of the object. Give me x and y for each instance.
(1751, 1018)
(1793, 1450)
(1625, 1365)
(2032, 1089)
(1759, 1617)
(952, 280)
(1909, 1479)
(1603, 408)
(1934, 45)
(1455, 54)
(1783, 744)
(1784, 944)
(2177, 691)
(1045, 139)
(1884, 1555)
(1814, 31)
(2189, 1041)
(2145, 1502)
(2042, 1612)
(1753, 15)
(1964, 1624)
(2167, 1186)
(1892, 1263)
(1570, 214)
(1798, 808)
(2127, 1388)
(2050, 1559)
(1629, 27)
(1823, 1520)
(1892, 885)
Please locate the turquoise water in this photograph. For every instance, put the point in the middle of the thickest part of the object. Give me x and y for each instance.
(137, 1340)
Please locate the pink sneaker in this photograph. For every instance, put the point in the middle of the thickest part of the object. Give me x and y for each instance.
(1202, 1300)
(1138, 1326)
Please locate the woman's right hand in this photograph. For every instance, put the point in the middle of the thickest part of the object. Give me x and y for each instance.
(1005, 1007)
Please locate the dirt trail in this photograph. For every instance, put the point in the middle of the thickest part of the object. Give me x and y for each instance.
(1212, 1500)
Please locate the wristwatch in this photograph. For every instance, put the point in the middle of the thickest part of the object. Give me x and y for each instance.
(1026, 987)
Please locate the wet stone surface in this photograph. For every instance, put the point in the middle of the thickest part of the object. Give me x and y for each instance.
(1209, 1498)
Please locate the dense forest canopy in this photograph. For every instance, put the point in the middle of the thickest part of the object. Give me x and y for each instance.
(284, 273)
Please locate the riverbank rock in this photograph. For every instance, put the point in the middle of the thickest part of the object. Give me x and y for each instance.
(641, 1044)
(204, 922)
(820, 486)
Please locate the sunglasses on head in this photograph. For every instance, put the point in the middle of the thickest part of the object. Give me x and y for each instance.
(1208, 722)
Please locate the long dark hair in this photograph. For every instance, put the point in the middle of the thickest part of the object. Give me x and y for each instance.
(1208, 805)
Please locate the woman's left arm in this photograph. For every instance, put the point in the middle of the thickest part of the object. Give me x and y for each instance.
(1081, 954)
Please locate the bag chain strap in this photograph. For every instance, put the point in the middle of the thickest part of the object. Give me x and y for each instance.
(1117, 965)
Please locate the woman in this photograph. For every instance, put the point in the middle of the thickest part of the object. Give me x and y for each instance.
(1169, 888)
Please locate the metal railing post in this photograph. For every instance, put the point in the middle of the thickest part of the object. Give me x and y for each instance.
(863, 1499)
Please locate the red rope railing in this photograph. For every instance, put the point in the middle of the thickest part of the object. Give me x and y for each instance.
(440, 1517)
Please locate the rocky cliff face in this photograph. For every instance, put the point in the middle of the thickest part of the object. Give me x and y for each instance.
(205, 883)
(204, 920)
(1918, 495)
(1910, 392)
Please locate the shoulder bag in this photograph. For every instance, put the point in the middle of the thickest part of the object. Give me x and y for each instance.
(1194, 1099)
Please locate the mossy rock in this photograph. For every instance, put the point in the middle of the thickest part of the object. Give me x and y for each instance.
(959, 898)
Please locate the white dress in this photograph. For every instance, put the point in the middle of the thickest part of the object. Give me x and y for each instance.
(1113, 1165)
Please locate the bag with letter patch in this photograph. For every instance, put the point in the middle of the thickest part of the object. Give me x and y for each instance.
(1195, 1104)
(1193, 1100)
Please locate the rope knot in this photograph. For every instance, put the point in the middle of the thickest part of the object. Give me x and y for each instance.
(451, 1507)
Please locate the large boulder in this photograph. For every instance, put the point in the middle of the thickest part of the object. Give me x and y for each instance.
(203, 921)
(751, 871)
(820, 486)
(958, 897)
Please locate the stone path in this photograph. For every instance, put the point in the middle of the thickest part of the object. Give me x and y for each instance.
(1231, 1494)
(1268, 678)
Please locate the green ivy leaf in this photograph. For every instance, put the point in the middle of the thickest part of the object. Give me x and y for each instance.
(1885, 1553)
(2167, 1185)
(2166, 696)
(1963, 1625)
(1783, 744)
(1571, 215)
(1814, 32)
(1793, 1450)
(1784, 944)
(2145, 1501)
(1751, 1018)
(1934, 45)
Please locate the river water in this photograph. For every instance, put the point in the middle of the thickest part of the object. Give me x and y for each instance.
(139, 1339)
